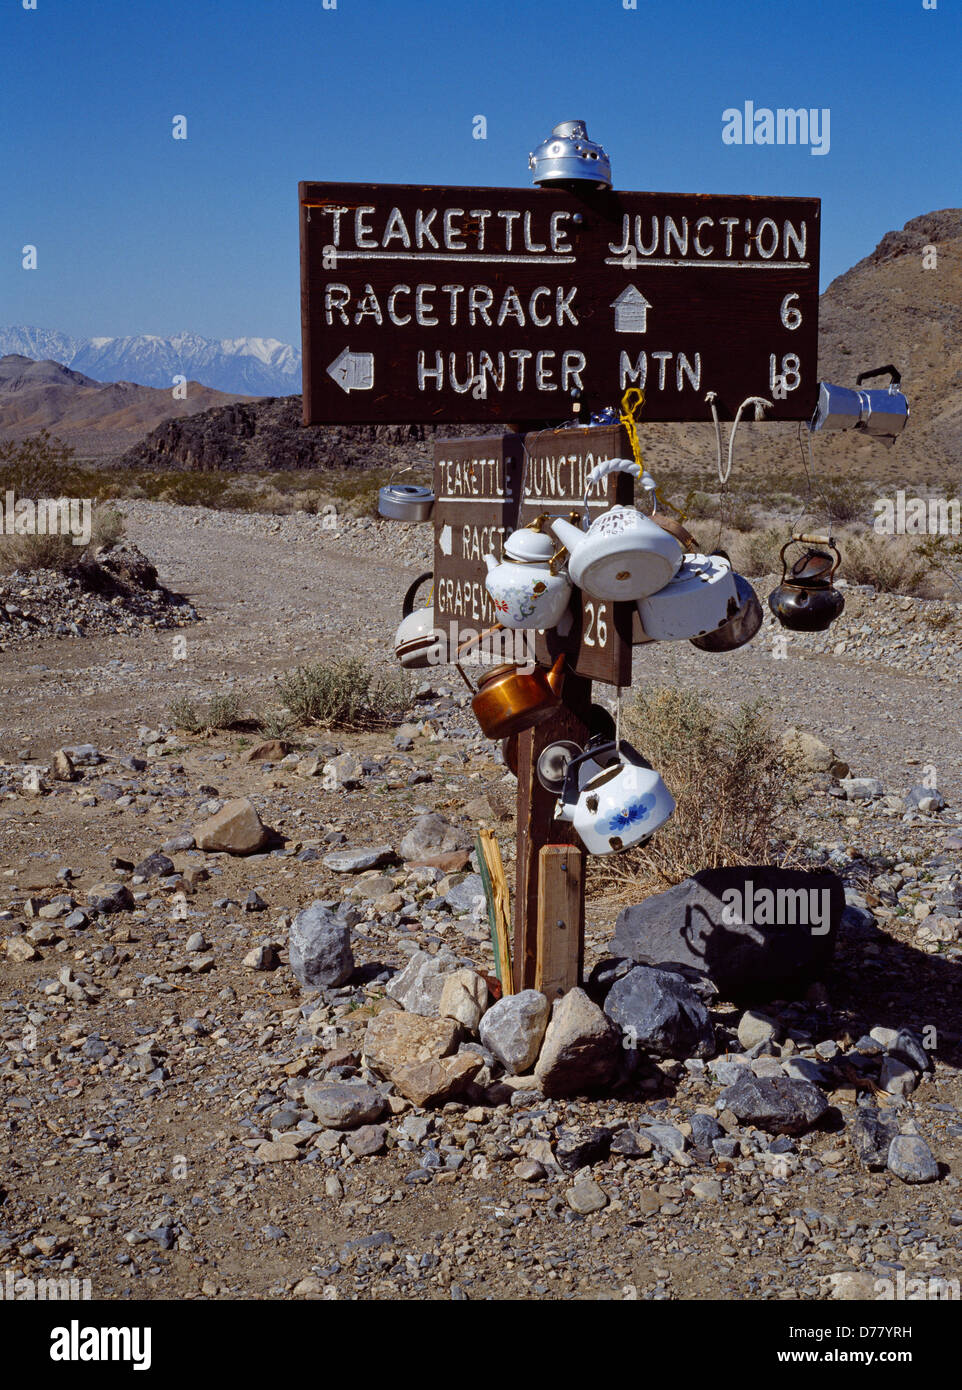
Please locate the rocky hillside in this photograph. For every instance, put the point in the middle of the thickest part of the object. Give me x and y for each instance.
(267, 434)
(99, 419)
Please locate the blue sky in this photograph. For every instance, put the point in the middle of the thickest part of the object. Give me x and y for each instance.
(137, 232)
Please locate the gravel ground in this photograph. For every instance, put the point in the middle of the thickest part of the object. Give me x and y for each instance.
(148, 1075)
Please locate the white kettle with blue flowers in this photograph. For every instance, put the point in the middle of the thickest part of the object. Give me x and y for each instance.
(621, 806)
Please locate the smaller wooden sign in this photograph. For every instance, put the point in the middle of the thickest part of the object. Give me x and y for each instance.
(478, 484)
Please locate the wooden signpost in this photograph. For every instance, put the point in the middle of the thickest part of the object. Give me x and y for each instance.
(428, 304)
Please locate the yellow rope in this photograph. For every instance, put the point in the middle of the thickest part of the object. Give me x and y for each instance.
(631, 404)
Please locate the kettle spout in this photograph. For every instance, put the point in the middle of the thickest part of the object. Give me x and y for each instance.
(556, 675)
(569, 536)
(490, 563)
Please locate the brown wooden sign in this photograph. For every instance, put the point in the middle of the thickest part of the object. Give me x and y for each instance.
(478, 485)
(432, 304)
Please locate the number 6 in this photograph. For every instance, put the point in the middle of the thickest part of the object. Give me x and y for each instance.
(790, 316)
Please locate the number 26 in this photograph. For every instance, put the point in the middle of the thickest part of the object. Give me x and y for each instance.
(595, 621)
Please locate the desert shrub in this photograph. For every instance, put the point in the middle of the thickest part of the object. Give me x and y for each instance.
(275, 723)
(346, 694)
(890, 563)
(222, 712)
(35, 467)
(757, 552)
(729, 778)
(846, 501)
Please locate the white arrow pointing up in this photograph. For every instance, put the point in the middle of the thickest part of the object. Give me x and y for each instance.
(631, 311)
(353, 371)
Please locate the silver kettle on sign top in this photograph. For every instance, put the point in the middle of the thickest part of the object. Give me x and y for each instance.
(568, 155)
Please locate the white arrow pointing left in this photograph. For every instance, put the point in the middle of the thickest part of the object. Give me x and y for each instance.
(353, 371)
(444, 540)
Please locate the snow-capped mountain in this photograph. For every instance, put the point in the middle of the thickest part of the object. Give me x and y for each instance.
(243, 366)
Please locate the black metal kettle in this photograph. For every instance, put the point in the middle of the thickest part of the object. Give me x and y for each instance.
(806, 600)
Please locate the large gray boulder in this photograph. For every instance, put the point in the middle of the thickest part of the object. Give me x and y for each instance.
(513, 1029)
(759, 932)
(660, 1013)
(320, 947)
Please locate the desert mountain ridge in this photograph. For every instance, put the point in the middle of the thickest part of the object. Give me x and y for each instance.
(97, 418)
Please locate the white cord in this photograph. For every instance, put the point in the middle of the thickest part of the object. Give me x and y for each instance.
(760, 404)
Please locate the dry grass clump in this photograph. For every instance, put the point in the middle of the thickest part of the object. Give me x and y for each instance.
(346, 694)
(730, 780)
(222, 712)
(891, 564)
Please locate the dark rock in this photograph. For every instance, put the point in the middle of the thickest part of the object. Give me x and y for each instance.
(603, 976)
(704, 1128)
(872, 1133)
(344, 1105)
(660, 1014)
(909, 1050)
(689, 925)
(775, 1104)
(580, 1148)
(114, 897)
(154, 866)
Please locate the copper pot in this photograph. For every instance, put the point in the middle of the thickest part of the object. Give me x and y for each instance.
(508, 698)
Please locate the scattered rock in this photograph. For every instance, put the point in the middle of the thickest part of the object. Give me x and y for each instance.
(755, 1028)
(396, 1039)
(581, 1049)
(431, 834)
(811, 754)
(861, 788)
(320, 947)
(911, 1159)
(464, 998)
(62, 768)
(660, 1014)
(586, 1197)
(343, 772)
(355, 861)
(514, 1027)
(344, 1106)
(235, 829)
(437, 1079)
(775, 1104)
(420, 985)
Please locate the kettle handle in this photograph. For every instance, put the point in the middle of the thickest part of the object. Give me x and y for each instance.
(894, 374)
(811, 540)
(471, 642)
(407, 607)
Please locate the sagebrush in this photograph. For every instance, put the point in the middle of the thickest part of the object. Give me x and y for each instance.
(730, 780)
(345, 694)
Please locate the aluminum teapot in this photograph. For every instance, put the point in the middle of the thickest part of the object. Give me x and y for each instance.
(621, 805)
(417, 643)
(880, 413)
(695, 601)
(806, 599)
(623, 555)
(530, 587)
